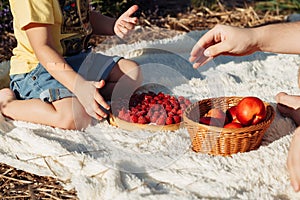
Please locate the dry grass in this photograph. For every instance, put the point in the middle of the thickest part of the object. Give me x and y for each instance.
(17, 184)
(197, 19)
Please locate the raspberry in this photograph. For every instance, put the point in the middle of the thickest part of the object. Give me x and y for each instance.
(156, 107)
(183, 107)
(170, 114)
(153, 119)
(181, 99)
(156, 98)
(172, 98)
(177, 119)
(187, 102)
(179, 112)
(168, 108)
(161, 95)
(147, 118)
(174, 111)
(169, 120)
(133, 118)
(142, 120)
(122, 113)
(134, 110)
(147, 97)
(127, 117)
(161, 120)
(159, 102)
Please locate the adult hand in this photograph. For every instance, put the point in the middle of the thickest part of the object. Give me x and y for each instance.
(293, 161)
(90, 98)
(225, 40)
(125, 23)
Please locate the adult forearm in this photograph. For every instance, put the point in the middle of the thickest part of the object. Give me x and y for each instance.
(279, 38)
(101, 24)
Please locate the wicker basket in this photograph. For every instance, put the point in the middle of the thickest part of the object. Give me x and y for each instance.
(223, 141)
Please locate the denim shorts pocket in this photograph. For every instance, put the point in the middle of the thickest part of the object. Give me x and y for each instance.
(24, 85)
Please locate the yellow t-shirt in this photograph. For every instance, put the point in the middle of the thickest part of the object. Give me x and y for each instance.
(70, 28)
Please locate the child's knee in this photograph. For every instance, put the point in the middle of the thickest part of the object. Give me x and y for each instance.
(131, 69)
(74, 120)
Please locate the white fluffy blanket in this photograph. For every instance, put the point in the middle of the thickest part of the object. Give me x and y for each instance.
(105, 162)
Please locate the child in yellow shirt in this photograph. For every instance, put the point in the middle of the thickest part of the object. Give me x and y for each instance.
(55, 78)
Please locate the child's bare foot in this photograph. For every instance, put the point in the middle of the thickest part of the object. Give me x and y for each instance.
(289, 106)
(6, 95)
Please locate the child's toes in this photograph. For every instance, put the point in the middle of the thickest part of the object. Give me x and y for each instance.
(285, 110)
(289, 112)
(6, 94)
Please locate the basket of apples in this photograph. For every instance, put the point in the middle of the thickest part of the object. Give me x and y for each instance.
(149, 111)
(227, 125)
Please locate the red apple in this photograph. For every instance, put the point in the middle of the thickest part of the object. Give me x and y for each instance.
(217, 114)
(233, 125)
(231, 114)
(211, 121)
(250, 111)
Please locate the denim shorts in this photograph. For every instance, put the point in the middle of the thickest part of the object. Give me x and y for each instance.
(39, 84)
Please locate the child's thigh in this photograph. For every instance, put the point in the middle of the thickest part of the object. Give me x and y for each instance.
(69, 106)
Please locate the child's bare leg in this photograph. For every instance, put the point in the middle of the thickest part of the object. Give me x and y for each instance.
(66, 113)
(289, 106)
(128, 73)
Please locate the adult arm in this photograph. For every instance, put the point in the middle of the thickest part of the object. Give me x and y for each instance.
(234, 41)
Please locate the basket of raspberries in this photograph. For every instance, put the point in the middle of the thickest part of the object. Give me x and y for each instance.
(149, 111)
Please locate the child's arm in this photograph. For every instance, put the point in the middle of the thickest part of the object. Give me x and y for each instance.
(103, 25)
(39, 36)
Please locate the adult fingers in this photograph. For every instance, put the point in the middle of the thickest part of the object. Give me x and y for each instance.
(208, 54)
(217, 49)
(201, 60)
(199, 48)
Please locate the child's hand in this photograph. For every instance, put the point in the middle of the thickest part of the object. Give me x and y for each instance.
(293, 161)
(90, 98)
(125, 22)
